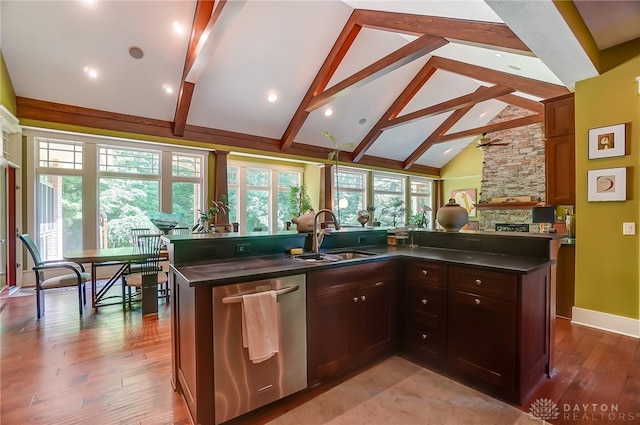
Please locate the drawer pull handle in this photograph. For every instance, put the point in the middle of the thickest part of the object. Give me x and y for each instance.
(355, 299)
(478, 282)
(477, 301)
(363, 298)
(425, 272)
(424, 301)
(423, 336)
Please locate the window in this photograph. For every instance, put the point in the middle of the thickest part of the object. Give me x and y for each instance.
(349, 195)
(420, 199)
(129, 190)
(388, 197)
(186, 190)
(91, 190)
(259, 194)
(58, 191)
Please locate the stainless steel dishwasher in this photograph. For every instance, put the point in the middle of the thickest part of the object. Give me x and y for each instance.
(241, 385)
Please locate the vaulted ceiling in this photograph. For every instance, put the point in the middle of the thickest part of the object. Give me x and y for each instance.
(410, 83)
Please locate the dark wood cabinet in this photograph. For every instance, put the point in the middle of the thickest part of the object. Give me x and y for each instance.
(482, 337)
(498, 328)
(486, 327)
(559, 116)
(425, 305)
(560, 170)
(560, 150)
(351, 317)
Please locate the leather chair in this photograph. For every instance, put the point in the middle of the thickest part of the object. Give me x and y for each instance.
(78, 277)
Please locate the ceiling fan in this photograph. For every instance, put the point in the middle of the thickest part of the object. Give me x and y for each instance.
(487, 141)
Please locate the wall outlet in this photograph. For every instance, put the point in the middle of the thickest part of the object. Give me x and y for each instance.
(243, 248)
(628, 228)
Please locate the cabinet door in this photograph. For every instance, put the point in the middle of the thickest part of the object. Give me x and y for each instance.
(560, 170)
(376, 317)
(332, 335)
(482, 338)
(559, 116)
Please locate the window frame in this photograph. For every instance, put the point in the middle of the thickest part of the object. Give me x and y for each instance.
(241, 188)
(91, 176)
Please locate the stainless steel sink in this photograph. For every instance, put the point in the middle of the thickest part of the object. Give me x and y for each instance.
(348, 255)
(332, 256)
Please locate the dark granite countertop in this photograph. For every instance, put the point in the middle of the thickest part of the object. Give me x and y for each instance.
(228, 271)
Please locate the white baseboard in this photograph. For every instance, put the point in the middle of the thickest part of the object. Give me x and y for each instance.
(606, 322)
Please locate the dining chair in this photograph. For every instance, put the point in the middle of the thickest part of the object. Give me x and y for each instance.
(77, 278)
(180, 231)
(163, 290)
(148, 268)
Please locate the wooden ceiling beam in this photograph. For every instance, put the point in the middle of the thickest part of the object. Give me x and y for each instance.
(495, 35)
(490, 128)
(521, 102)
(480, 95)
(320, 82)
(201, 22)
(530, 86)
(433, 137)
(404, 55)
(396, 107)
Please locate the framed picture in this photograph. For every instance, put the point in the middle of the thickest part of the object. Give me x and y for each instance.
(466, 198)
(609, 184)
(605, 142)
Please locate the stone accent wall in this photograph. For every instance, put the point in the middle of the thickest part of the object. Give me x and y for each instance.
(513, 170)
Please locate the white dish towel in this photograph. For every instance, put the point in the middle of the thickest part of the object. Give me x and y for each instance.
(260, 325)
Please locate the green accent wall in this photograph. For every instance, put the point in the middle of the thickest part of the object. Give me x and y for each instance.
(7, 94)
(607, 262)
(464, 171)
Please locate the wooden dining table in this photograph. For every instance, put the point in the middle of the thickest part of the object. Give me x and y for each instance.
(120, 257)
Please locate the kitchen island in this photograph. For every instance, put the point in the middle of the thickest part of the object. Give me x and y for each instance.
(475, 306)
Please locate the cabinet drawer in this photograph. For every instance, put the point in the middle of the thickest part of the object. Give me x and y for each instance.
(427, 339)
(429, 302)
(484, 282)
(427, 272)
(331, 281)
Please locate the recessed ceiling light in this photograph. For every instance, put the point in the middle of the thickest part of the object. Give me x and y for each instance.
(177, 27)
(362, 121)
(499, 55)
(91, 72)
(517, 68)
(447, 151)
(328, 112)
(136, 52)
(272, 97)
(89, 2)
(167, 88)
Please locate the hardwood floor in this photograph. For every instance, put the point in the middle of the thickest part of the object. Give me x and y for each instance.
(105, 368)
(115, 367)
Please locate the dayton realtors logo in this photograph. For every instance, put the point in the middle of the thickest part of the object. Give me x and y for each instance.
(546, 409)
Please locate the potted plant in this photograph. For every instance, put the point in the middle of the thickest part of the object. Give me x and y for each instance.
(208, 217)
(335, 155)
(299, 200)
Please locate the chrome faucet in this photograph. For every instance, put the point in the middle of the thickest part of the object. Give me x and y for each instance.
(317, 239)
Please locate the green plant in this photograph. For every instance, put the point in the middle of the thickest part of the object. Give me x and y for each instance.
(209, 216)
(419, 220)
(299, 200)
(394, 211)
